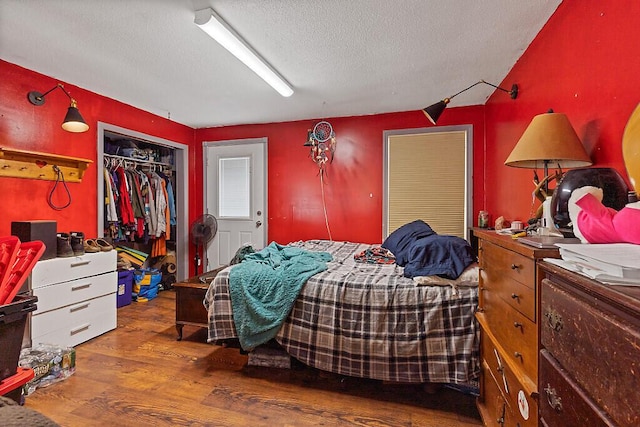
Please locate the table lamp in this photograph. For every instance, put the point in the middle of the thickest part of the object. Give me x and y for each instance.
(548, 140)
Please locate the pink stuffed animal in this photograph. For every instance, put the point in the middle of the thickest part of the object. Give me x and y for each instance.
(594, 222)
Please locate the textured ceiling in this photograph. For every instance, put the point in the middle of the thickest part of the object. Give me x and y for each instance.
(342, 57)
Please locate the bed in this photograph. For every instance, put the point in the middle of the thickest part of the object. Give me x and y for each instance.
(366, 319)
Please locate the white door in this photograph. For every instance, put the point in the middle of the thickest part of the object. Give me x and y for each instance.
(235, 193)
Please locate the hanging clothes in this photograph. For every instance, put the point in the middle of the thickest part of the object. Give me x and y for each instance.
(110, 200)
(160, 203)
(170, 198)
(126, 208)
(139, 205)
(162, 214)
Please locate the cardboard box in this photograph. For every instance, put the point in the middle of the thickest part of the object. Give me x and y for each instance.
(269, 357)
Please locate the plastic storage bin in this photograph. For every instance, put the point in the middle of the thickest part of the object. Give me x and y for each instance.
(13, 319)
(11, 387)
(125, 288)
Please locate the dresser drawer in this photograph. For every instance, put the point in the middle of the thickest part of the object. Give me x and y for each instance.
(525, 407)
(495, 411)
(62, 294)
(59, 270)
(562, 401)
(601, 352)
(516, 333)
(520, 297)
(74, 324)
(507, 265)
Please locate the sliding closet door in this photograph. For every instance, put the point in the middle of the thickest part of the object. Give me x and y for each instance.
(427, 176)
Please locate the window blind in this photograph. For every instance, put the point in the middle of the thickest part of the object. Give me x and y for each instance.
(427, 180)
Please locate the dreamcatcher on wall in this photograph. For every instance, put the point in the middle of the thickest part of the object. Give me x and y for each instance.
(322, 142)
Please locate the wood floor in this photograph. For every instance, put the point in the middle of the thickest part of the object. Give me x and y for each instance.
(139, 375)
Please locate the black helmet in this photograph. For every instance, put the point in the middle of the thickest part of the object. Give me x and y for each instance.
(614, 190)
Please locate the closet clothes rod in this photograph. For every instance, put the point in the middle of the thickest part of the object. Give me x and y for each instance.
(137, 161)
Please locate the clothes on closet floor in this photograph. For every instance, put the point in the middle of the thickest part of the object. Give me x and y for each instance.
(139, 206)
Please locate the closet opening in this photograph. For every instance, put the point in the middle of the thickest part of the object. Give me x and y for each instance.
(158, 168)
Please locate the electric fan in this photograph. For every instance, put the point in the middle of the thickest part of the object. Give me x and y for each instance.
(203, 230)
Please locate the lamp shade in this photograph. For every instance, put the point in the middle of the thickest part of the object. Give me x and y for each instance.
(73, 121)
(549, 140)
(434, 111)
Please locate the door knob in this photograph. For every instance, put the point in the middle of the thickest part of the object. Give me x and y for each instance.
(258, 224)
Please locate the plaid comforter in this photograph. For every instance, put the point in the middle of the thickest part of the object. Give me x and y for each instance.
(367, 320)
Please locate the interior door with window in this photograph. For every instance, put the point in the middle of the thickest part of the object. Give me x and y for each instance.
(235, 193)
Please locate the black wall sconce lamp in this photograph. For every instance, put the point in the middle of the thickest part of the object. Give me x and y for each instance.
(434, 111)
(73, 121)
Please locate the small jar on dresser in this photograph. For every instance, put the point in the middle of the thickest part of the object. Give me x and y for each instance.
(76, 298)
(590, 351)
(508, 317)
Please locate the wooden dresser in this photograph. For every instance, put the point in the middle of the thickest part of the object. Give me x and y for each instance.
(508, 316)
(590, 356)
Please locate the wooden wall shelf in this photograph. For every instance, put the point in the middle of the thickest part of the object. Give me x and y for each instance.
(33, 165)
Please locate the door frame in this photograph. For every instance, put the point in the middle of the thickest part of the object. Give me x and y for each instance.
(181, 163)
(265, 178)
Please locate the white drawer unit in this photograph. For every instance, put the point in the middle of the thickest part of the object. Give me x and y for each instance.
(76, 298)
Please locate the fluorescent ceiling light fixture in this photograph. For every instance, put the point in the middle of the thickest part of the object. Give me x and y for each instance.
(211, 23)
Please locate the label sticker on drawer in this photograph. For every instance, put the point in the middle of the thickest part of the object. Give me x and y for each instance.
(523, 405)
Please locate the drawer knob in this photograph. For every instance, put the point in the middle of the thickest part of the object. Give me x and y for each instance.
(517, 325)
(514, 267)
(500, 420)
(515, 296)
(517, 355)
(554, 320)
(552, 398)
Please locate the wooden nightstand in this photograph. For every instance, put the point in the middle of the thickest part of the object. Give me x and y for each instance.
(508, 316)
(189, 296)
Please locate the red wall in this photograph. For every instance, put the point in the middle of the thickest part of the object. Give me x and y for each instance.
(353, 184)
(37, 128)
(584, 63)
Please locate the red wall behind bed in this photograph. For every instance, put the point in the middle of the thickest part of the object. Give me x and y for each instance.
(353, 184)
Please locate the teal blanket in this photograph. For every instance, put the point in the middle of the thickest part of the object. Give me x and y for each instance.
(264, 287)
